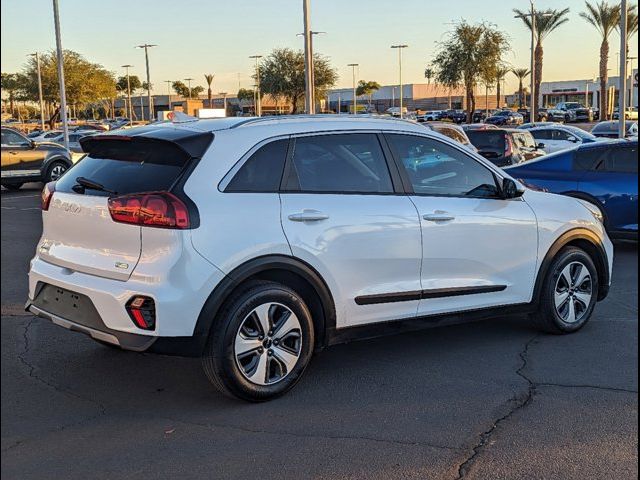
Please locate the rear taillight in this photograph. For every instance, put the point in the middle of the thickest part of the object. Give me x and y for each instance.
(47, 194)
(508, 146)
(156, 209)
(142, 310)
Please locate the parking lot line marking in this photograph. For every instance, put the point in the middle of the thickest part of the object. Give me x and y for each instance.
(9, 208)
(17, 197)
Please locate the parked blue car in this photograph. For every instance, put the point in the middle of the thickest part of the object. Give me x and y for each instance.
(603, 173)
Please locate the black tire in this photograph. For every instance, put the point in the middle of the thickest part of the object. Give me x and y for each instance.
(567, 119)
(219, 358)
(53, 172)
(13, 186)
(548, 318)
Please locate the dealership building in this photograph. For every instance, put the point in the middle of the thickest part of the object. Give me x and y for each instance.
(586, 91)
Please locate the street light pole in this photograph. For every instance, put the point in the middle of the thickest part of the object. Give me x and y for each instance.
(312, 68)
(534, 103)
(146, 47)
(353, 69)
(631, 59)
(622, 90)
(258, 101)
(63, 93)
(169, 82)
(129, 93)
(224, 99)
(400, 93)
(37, 55)
(188, 80)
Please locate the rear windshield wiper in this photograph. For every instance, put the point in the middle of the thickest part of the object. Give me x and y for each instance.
(86, 183)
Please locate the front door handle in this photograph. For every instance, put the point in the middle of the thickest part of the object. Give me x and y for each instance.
(308, 216)
(438, 216)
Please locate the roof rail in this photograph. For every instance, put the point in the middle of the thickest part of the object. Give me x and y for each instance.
(253, 120)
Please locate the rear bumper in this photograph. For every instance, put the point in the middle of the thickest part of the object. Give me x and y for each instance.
(179, 293)
(127, 341)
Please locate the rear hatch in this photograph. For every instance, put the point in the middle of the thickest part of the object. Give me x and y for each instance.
(490, 143)
(79, 232)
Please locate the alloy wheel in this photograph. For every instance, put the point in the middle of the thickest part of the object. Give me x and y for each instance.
(573, 292)
(268, 344)
(57, 171)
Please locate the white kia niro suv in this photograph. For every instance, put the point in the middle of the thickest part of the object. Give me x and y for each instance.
(253, 243)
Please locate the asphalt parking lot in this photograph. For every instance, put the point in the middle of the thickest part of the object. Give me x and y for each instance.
(486, 400)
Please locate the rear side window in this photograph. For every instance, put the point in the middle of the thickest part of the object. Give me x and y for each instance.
(341, 163)
(128, 167)
(622, 160)
(262, 171)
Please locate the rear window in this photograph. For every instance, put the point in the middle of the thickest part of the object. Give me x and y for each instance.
(126, 168)
(487, 140)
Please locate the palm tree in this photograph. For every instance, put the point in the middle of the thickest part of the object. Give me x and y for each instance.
(367, 88)
(521, 73)
(209, 78)
(429, 73)
(501, 72)
(546, 22)
(604, 17)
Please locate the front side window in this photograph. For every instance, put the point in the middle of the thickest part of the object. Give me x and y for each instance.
(589, 159)
(561, 135)
(12, 139)
(434, 168)
(341, 163)
(542, 134)
(262, 171)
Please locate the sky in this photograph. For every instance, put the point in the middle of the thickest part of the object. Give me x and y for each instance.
(196, 37)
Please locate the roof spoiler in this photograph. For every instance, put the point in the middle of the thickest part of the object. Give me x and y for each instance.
(193, 143)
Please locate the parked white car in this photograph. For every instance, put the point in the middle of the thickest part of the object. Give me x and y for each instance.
(44, 136)
(561, 137)
(253, 243)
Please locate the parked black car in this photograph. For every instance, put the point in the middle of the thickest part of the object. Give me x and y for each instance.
(456, 116)
(505, 118)
(542, 114)
(24, 160)
(505, 146)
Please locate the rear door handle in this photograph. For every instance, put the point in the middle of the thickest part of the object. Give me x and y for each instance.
(438, 216)
(308, 216)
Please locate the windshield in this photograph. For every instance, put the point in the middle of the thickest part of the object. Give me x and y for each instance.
(487, 140)
(572, 106)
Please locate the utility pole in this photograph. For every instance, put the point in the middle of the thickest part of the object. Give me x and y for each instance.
(146, 47)
(400, 93)
(127, 67)
(309, 104)
(257, 106)
(353, 70)
(63, 92)
(622, 90)
(37, 55)
(534, 103)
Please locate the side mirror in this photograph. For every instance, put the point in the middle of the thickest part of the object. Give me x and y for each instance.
(540, 146)
(510, 189)
(573, 139)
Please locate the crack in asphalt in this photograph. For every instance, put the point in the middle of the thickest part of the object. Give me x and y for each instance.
(518, 404)
(595, 387)
(102, 410)
(211, 426)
